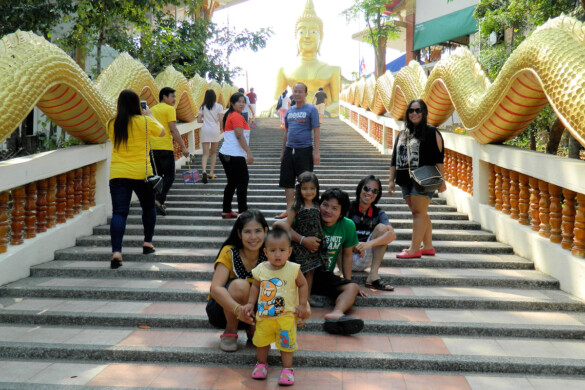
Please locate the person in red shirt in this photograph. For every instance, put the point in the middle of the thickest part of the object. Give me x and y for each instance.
(235, 155)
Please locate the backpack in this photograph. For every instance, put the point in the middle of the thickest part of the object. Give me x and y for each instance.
(279, 104)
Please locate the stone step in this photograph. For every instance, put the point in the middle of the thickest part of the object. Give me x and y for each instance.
(445, 354)
(198, 290)
(198, 189)
(185, 201)
(185, 255)
(198, 221)
(223, 231)
(271, 210)
(273, 173)
(397, 276)
(202, 193)
(214, 242)
(70, 312)
(380, 170)
(50, 374)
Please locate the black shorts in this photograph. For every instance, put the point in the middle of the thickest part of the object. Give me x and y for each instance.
(327, 283)
(294, 162)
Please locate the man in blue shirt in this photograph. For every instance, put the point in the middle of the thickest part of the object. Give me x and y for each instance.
(298, 154)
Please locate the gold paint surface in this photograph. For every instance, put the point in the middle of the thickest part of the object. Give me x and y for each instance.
(547, 68)
(34, 72)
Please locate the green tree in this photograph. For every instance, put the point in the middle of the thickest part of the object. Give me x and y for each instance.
(96, 23)
(381, 27)
(39, 16)
(195, 46)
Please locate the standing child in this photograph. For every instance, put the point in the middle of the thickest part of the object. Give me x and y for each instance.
(281, 293)
(304, 218)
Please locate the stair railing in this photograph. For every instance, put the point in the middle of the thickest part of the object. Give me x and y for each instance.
(47, 200)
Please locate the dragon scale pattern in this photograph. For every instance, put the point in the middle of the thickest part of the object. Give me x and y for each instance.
(34, 72)
(547, 68)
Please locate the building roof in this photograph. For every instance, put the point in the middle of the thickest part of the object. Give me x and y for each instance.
(227, 3)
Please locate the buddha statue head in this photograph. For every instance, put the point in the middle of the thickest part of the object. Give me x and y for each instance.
(309, 30)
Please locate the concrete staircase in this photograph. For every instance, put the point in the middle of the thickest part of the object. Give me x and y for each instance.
(474, 317)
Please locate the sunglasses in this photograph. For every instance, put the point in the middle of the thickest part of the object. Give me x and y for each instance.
(374, 191)
(417, 110)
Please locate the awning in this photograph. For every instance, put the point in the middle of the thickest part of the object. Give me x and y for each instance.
(444, 28)
(397, 64)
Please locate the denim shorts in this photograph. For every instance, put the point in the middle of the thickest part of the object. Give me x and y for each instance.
(412, 191)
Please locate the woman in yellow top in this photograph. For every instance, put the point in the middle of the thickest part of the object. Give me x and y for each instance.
(232, 278)
(130, 165)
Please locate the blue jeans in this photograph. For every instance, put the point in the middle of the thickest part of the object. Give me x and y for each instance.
(121, 193)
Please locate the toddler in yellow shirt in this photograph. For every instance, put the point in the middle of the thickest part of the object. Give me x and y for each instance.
(281, 293)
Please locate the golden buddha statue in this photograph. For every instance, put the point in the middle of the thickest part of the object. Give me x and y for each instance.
(314, 73)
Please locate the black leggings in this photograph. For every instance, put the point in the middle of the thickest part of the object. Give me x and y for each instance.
(236, 170)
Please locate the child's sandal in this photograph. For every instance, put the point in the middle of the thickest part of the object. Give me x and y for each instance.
(260, 371)
(287, 377)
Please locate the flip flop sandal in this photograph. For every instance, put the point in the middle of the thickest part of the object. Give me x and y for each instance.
(228, 342)
(406, 255)
(316, 303)
(287, 377)
(380, 284)
(260, 371)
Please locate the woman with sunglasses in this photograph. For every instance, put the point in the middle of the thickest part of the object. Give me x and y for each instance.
(373, 230)
(416, 146)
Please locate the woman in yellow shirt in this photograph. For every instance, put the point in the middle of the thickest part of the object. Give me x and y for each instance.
(130, 165)
(232, 278)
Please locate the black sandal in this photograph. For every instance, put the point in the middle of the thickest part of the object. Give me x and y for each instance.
(380, 284)
(115, 263)
(147, 250)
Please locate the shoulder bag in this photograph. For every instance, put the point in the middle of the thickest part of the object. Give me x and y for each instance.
(155, 182)
(427, 178)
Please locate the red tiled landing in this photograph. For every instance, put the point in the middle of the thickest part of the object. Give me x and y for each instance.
(187, 377)
(309, 342)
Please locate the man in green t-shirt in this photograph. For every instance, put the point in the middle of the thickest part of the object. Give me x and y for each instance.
(341, 237)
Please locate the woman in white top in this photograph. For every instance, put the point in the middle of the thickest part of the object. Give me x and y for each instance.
(235, 155)
(284, 106)
(210, 116)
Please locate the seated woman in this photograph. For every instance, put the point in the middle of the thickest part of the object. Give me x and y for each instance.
(232, 278)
